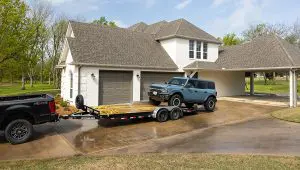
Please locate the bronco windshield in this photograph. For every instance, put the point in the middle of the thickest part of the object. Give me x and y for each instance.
(177, 81)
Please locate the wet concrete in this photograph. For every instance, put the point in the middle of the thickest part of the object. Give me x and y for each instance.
(111, 134)
(69, 137)
(260, 136)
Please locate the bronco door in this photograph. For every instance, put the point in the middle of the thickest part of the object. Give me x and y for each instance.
(190, 92)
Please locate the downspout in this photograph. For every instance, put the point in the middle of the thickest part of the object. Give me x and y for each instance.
(79, 68)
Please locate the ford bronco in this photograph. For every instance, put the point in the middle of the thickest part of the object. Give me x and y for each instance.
(189, 91)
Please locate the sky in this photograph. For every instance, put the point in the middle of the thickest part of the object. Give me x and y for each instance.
(216, 17)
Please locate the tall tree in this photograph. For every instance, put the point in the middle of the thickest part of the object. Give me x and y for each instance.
(231, 39)
(104, 21)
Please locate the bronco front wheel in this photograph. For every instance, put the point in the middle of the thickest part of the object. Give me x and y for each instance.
(175, 100)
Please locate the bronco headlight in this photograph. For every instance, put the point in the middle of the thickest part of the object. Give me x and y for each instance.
(164, 90)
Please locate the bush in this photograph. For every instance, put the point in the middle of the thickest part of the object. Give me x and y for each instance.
(64, 103)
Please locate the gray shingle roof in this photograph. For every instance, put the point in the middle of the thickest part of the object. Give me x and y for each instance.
(184, 29)
(203, 65)
(267, 51)
(116, 47)
(180, 28)
(139, 27)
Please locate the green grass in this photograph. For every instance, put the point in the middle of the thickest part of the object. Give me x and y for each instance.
(15, 89)
(159, 161)
(277, 87)
(290, 114)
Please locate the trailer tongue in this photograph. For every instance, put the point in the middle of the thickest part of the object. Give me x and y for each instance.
(128, 111)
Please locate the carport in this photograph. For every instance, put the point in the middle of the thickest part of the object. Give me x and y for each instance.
(267, 53)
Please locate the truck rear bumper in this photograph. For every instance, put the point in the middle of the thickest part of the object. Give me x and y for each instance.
(54, 117)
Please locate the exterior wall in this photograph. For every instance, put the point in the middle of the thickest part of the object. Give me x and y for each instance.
(227, 83)
(178, 50)
(89, 85)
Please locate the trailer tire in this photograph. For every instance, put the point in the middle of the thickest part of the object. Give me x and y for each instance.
(162, 115)
(79, 102)
(175, 113)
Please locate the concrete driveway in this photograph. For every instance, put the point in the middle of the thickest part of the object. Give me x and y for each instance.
(70, 137)
(259, 136)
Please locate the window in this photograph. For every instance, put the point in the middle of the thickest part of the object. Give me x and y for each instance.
(175, 81)
(191, 49)
(71, 85)
(211, 85)
(198, 54)
(202, 85)
(204, 50)
(191, 84)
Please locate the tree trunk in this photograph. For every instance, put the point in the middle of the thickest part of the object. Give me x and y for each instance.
(11, 78)
(31, 81)
(286, 76)
(49, 81)
(42, 69)
(265, 78)
(23, 81)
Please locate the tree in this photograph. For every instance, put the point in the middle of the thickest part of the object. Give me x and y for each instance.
(104, 21)
(54, 47)
(12, 28)
(257, 30)
(231, 39)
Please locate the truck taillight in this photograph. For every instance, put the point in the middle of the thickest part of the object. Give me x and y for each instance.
(52, 106)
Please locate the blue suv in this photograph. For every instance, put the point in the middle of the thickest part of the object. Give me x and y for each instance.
(189, 91)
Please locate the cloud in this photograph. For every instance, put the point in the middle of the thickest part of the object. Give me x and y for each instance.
(244, 13)
(183, 4)
(57, 2)
(218, 2)
(150, 3)
(120, 23)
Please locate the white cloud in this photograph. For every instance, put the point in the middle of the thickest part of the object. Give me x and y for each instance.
(244, 13)
(183, 4)
(218, 2)
(56, 2)
(120, 23)
(150, 3)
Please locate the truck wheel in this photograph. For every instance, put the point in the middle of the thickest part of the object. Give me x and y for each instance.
(162, 115)
(175, 100)
(18, 131)
(210, 104)
(175, 113)
(79, 101)
(154, 102)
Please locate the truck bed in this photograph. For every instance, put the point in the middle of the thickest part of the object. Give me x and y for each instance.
(23, 99)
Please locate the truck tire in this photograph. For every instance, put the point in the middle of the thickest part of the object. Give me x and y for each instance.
(154, 102)
(162, 115)
(79, 101)
(175, 100)
(18, 131)
(210, 104)
(175, 113)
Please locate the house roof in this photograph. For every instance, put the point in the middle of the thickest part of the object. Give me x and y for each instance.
(203, 65)
(139, 27)
(116, 47)
(180, 28)
(264, 52)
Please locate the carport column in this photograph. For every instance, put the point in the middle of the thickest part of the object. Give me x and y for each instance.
(293, 88)
(251, 83)
(136, 86)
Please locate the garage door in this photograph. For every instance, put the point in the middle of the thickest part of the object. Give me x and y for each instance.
(115, 87)
(149, 78)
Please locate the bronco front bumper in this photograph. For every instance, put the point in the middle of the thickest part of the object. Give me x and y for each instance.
(159, 96)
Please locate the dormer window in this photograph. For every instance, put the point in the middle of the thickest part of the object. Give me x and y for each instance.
(198, 50)
(191, 49)
(204, 50)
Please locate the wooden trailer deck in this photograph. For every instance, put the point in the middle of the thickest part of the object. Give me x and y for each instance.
(115, 109)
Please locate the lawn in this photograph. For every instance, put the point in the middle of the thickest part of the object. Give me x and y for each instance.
(278, 87)
(15, 89)
(159, 161)
(290, 114)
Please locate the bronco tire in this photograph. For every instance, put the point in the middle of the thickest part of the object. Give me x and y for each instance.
(175, 100)
(79, 101)
(162, 115)
(154, 102)
(18, 131)
(210, 104)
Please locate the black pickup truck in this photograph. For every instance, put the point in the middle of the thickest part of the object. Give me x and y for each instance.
(19, 113)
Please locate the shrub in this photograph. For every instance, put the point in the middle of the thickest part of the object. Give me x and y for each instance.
(63, 103)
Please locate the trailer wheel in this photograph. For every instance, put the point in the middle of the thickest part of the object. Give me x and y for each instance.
(79, 101)
(162, 115)
(175, 113)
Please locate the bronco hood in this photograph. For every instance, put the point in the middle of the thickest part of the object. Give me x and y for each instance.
(162, 86)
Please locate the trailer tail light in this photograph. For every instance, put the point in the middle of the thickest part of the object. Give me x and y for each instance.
(52, 107)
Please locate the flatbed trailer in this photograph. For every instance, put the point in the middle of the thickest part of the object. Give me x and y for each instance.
(130, 111)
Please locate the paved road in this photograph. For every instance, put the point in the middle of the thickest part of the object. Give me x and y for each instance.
(260, 136)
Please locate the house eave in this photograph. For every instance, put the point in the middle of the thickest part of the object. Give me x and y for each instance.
(248, 69)
(187, 37)
(123, 66)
